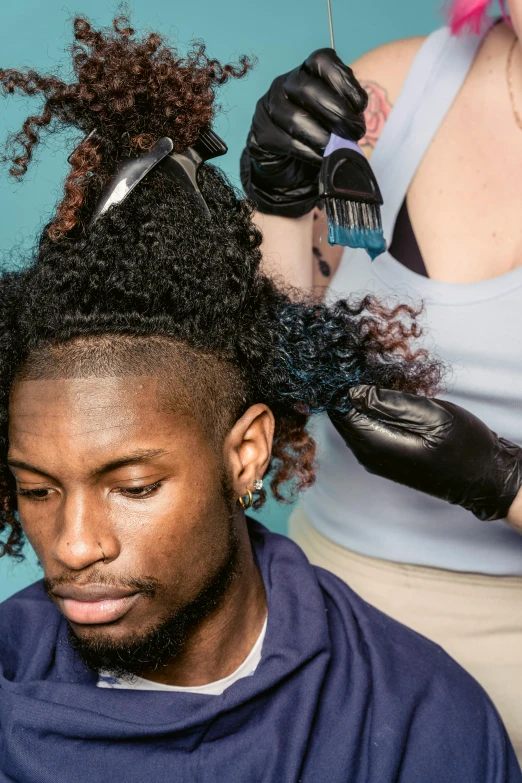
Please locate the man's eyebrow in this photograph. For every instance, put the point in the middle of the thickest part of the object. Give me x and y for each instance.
(134, 458)
(17, 463)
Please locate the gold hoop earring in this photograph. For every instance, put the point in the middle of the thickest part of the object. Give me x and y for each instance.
(246, 504)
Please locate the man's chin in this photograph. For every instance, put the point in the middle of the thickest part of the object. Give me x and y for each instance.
(122, 649)
(116, 649)
(106, 636)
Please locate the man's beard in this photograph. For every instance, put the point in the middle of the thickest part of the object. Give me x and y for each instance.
(157, 646)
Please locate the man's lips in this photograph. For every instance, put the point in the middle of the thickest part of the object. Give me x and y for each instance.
(95, 603)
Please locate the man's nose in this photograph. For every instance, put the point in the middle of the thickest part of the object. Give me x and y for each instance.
(85, 536)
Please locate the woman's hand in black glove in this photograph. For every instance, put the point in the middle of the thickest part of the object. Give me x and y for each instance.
(291, 127)
(433, 446)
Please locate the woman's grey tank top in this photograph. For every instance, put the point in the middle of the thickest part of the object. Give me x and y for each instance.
(476, 328)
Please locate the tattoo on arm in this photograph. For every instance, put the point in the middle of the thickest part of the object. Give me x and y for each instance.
(376, 114)
(324, 266)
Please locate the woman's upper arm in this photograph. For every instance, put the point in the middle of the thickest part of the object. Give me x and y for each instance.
(382, 73)
(287, 248)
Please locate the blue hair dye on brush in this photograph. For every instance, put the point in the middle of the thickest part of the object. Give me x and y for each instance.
(352, 198)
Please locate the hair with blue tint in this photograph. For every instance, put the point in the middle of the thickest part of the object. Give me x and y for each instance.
(323, 350)
(156, 271)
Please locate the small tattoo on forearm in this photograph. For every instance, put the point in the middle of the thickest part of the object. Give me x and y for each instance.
(324, 266)
(376, 114)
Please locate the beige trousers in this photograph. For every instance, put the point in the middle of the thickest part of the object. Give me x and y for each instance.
(476, 618)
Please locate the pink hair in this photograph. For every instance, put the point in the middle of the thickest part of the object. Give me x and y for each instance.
(470, 14)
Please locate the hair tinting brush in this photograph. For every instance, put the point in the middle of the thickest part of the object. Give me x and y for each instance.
(350, 192)
(352, 198)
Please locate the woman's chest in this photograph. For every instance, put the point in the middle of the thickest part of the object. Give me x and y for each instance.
(465, 200)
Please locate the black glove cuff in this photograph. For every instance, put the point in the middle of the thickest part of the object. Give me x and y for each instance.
(271, 200)
(508, 465)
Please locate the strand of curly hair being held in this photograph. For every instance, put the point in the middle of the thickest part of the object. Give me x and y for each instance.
(155, 271)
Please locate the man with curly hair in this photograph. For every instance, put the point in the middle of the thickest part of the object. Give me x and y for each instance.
(151, 377)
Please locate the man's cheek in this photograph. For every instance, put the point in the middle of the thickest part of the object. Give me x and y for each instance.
(38, 536)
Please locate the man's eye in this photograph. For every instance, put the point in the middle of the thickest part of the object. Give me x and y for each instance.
(140, 492)
(34, 494)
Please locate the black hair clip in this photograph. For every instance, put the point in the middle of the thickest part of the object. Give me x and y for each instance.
(181, 167)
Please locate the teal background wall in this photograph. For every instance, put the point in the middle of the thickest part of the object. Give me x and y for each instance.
(280, 33)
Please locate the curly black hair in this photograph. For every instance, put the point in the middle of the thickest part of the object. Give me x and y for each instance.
(155, 271)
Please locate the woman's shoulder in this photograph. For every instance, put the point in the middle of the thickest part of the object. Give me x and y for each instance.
(382, 72)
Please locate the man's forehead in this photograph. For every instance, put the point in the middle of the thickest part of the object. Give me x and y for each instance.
(86, 404)
(84, 422)
(177, 378)
(84, 393)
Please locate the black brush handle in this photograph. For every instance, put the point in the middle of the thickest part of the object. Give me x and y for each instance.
(346, 174)
(209, 145)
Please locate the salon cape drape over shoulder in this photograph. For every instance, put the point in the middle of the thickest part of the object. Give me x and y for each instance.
(343, 694)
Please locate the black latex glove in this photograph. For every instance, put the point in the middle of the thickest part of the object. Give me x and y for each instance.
(433, 446)
(291, 127)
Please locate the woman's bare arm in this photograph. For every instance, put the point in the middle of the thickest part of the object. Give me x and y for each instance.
(287, 248)
(514, 518)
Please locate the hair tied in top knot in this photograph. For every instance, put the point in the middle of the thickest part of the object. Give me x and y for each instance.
(134, 89)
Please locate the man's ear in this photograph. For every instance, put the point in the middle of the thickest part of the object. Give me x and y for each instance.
(248, 447)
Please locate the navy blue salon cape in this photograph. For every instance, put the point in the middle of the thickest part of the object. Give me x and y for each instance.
(343, 694)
